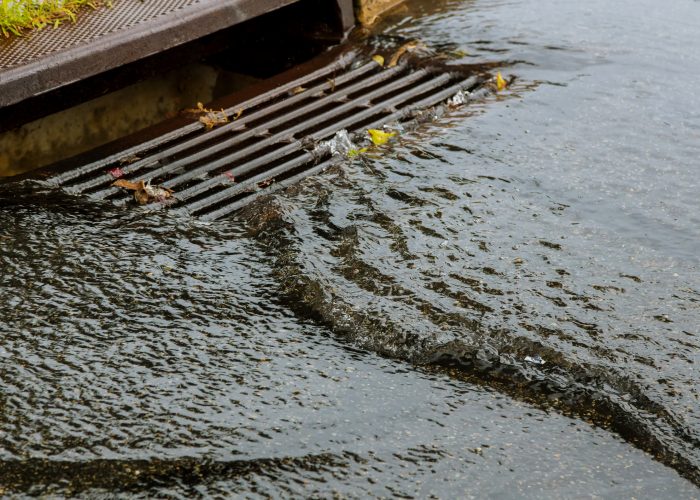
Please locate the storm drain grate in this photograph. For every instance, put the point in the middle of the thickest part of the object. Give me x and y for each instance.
(270, 144)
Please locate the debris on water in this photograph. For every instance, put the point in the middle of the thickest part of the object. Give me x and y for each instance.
(537, 360)
(266, 182)
(380, 137)
(116, 172)
(460, 98)
(144, 192)
(378, 59)
(356, 152)
(340, 144)
(406, 47)
(501, 84)
(459, 53)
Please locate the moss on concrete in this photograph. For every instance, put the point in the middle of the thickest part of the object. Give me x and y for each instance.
(17, 17)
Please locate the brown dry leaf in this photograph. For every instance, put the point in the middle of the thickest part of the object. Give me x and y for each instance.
(210, 118)
(123, 183)
(214, 118)
(406, 47)
(144, 192)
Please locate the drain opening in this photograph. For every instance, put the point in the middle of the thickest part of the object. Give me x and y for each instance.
(269, 141)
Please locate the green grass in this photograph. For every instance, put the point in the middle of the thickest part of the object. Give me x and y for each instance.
(17, 17)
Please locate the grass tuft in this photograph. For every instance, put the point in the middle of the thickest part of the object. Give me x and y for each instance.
(17, 17)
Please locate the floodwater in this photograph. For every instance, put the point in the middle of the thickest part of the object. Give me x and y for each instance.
(504, 303)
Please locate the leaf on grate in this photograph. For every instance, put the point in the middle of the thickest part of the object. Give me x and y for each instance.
(210, 118)
(378, 59)
(144, 192)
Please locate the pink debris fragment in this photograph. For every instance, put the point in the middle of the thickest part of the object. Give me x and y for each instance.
(231, 177)
(116, 172)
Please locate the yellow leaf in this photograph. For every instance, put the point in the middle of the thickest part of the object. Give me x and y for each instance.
(356, 152)
(238, 114)
(500, 82)
(380, 137)
(378, 59)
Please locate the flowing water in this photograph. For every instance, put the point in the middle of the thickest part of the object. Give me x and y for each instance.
(502, 303)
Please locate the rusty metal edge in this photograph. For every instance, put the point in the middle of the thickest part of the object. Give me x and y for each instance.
(122, 47)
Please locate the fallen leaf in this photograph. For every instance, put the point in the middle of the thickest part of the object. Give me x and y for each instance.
(266, 183)
(238, 114)
(380, 137)
(378, 59)
(298, 90)
(356, 152)
(331, 84)
(144, 192)
(214, 118)
(406, 47)
(116, 172)
(500, 82)
(123, 183)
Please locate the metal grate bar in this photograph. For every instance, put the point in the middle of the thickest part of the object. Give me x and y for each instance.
(228, 209)
(249, 184)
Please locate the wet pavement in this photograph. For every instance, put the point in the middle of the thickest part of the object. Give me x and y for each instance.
(503, 303)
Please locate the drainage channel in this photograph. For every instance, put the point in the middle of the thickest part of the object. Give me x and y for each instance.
(269, 140)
